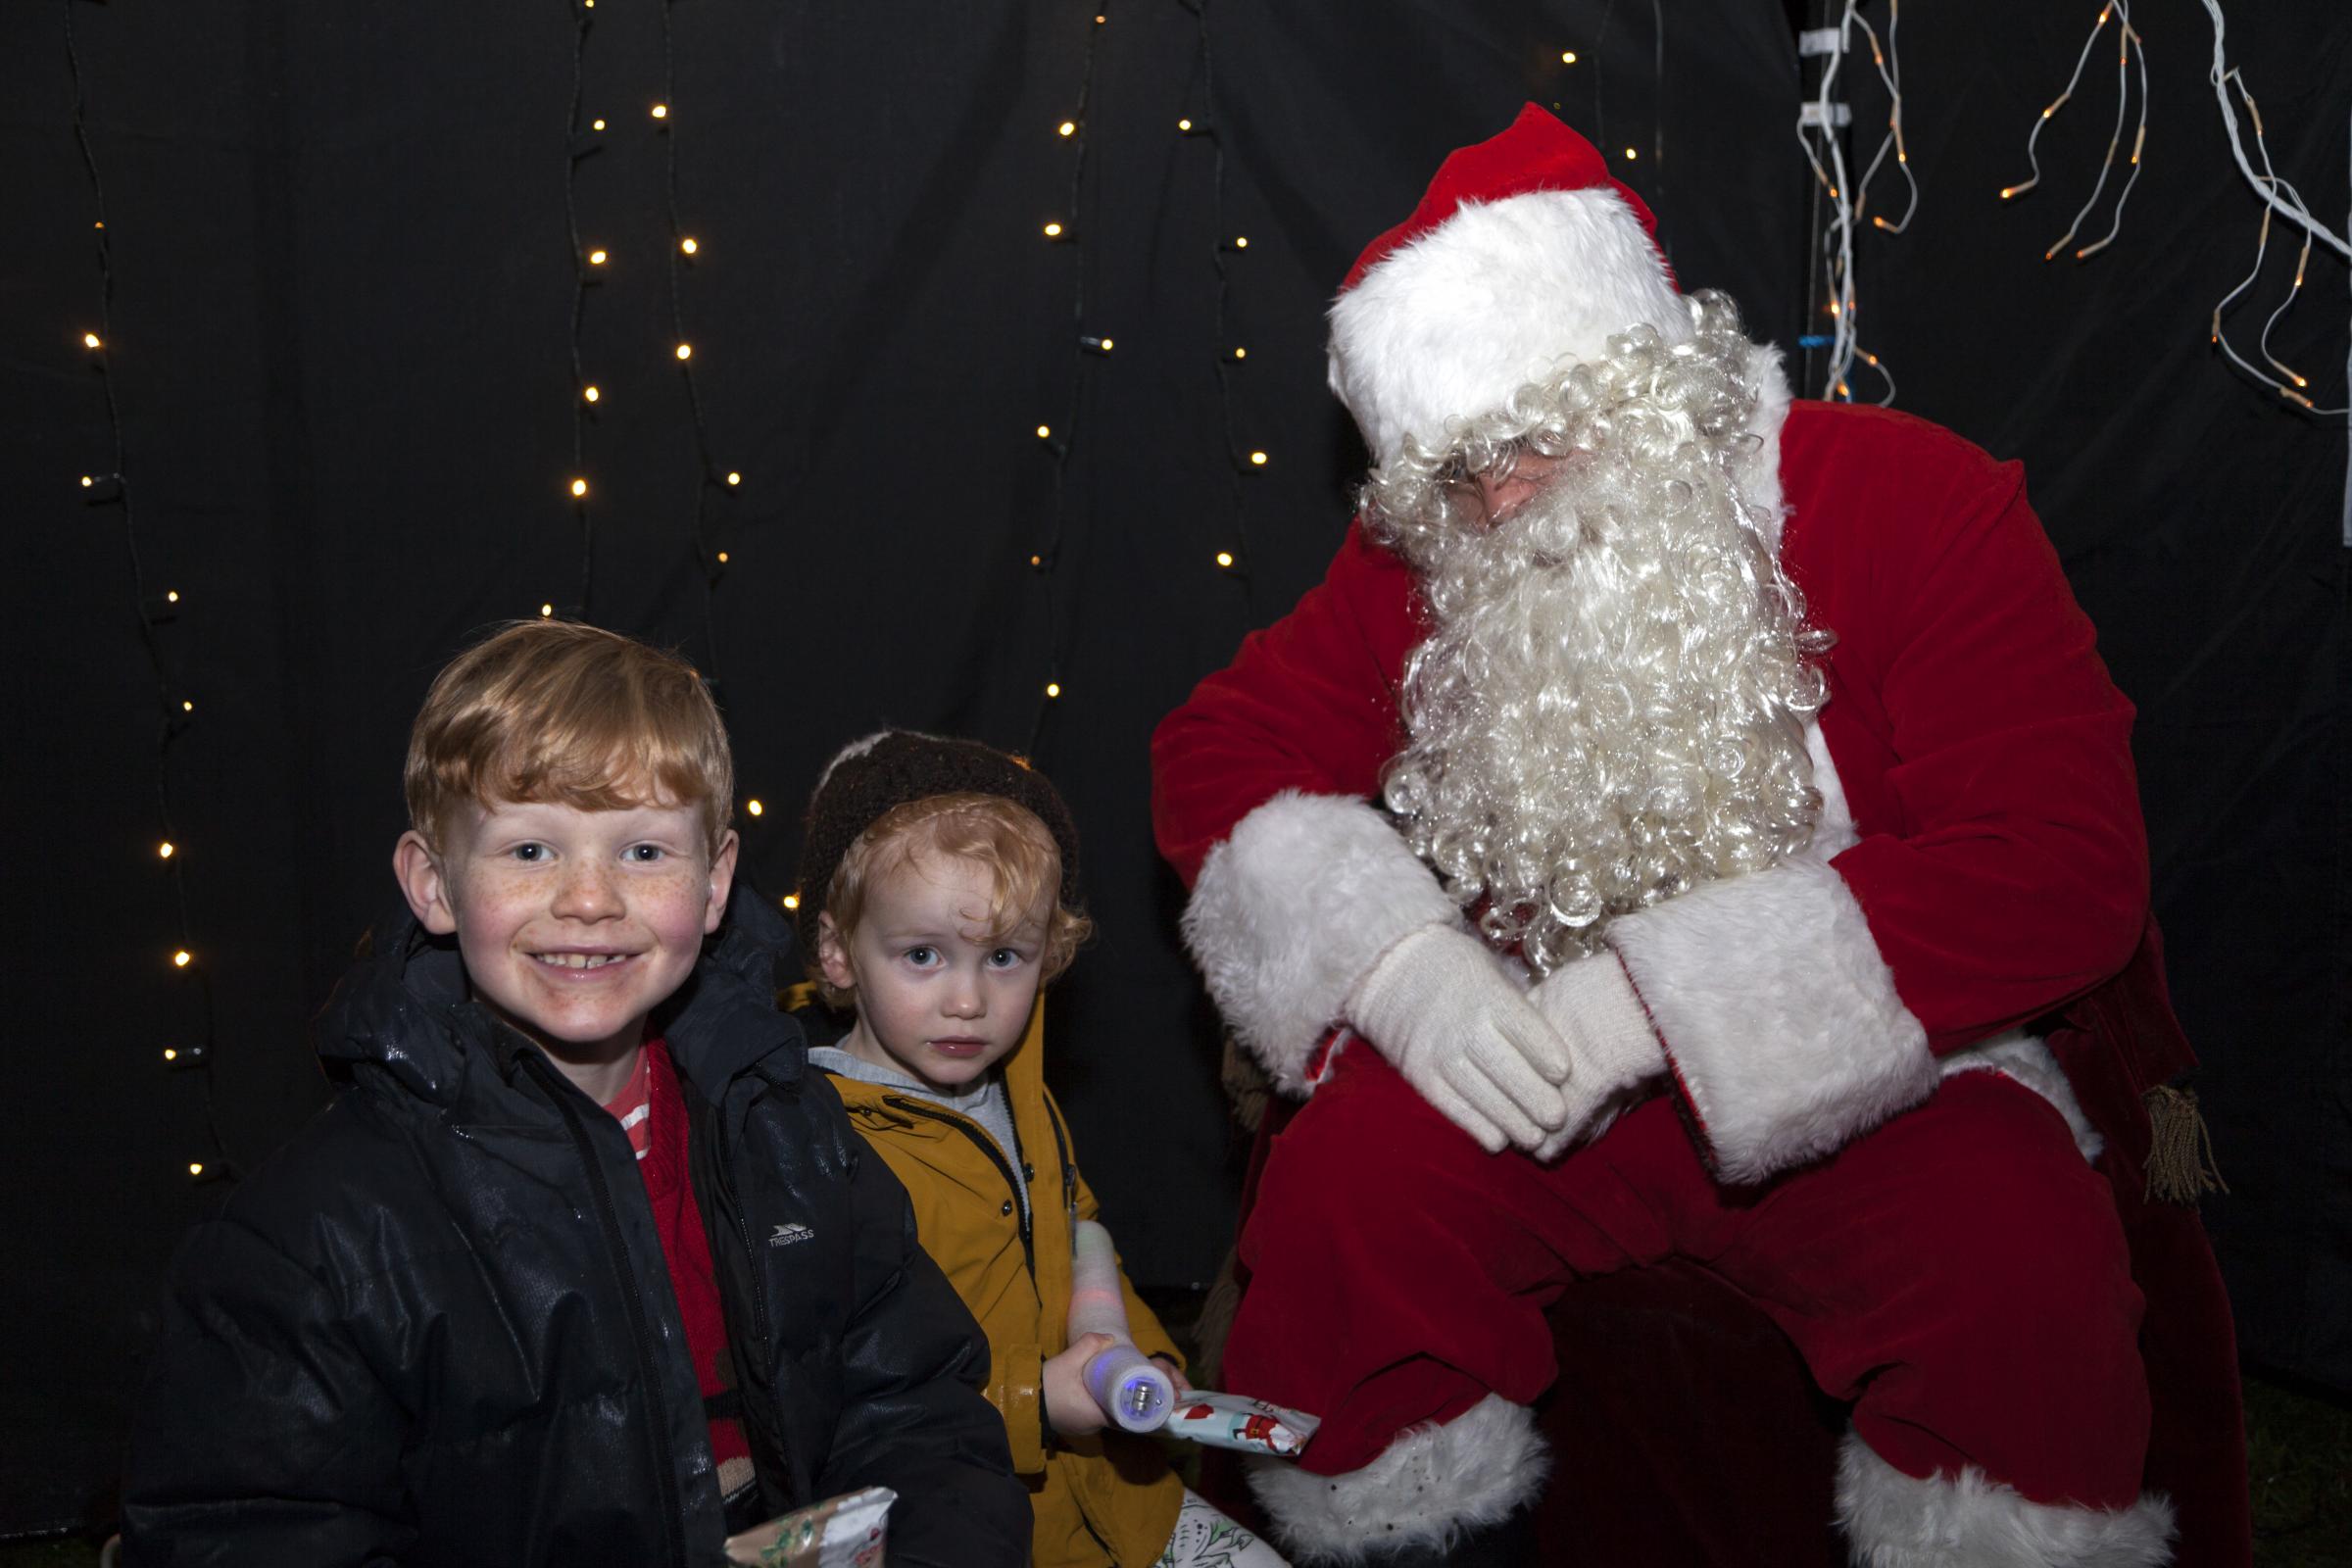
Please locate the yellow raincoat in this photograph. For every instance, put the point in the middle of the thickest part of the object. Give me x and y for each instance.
(1108, 1498)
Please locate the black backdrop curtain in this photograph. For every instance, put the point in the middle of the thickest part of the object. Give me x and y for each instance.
(340, 292)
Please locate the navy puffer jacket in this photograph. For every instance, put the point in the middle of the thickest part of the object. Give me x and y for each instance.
(436, 1328)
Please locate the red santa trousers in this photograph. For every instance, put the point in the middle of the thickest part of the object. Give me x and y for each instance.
(1959, 1274)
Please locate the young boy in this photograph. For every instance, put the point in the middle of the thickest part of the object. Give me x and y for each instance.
(584, 1266)
(939, 891)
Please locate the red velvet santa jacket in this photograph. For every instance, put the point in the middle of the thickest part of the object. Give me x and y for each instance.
(1980, 867)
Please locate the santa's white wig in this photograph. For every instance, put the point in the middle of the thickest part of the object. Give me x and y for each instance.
(1610, 706)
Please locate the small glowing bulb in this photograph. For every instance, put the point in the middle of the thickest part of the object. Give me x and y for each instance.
(1241, 354)
(596, 257)
(688, 245)
(1567, 57)
(685, 351)
(753, 806)
(1184, 124)
(1257, 460)
(1099, 18)
(182, 958)
(1224, 557)
(166, 849)
(1053, 232)
(1241, 242)
(661, 111)
(1106, 345)
(722, 557)
(590, 394)
(547, 611)
(596, 125)
(195, 1167)
(89, 341)
(1631, 155)
(171, 1055)
(1037, 560)
(186, 705)
(170, 596)
(792, 901)
(579, 487)
(733, 478)
(1069, 127)
(1045, 432)
(1053, 688)
(87, 481)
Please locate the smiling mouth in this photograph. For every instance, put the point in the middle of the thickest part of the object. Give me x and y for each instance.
(579, 960)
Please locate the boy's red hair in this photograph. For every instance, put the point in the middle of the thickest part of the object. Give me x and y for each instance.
(556, 710)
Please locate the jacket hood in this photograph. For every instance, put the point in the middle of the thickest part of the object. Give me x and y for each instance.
(403, 1009)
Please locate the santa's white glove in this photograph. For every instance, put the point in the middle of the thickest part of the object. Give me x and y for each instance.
(1612, 1047)
(1440, 1007)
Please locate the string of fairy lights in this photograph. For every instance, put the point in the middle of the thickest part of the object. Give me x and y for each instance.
(587, 266)
(1094, 342)
(713, 481)
(1822, 121)
(176, 709)
(2278, 195)
(711, 541)
(1232, 553)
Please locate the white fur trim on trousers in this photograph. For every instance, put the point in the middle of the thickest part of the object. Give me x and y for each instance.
(1892, 1520)
(1427, 1488)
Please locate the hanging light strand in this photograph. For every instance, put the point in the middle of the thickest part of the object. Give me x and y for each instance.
(2281, 198)
(584, 393)
(1823, 116)
(712, 534)
(2131, 52)
(1059, 441)
(1232, 554)
(173, 706)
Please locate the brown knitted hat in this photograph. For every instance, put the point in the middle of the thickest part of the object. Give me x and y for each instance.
(868, 777)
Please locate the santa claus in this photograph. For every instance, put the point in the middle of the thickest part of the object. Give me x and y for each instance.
(1684, 823)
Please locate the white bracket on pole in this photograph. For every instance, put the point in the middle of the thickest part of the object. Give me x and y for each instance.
(1808, 112)
(1819, 41)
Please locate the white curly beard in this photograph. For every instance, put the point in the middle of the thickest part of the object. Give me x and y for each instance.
(1610, 707)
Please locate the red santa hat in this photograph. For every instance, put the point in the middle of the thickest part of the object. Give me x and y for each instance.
(1524, 256)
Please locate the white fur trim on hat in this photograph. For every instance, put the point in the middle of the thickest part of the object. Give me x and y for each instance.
(1779, 1015)
(1892, 1520)
(1427, 1487)
(1498, 295)
(1289, 912)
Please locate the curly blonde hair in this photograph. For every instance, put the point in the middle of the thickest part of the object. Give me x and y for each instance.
(1006, 839)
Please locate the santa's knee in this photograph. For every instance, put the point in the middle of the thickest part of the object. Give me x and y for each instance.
(2020, 1286)
(1460, 1492)
(2008, 1421)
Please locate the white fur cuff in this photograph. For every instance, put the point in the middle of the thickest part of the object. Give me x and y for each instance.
(1779, 1015)
(1292, 910)
(1892, 1520)
(1426, 1487)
